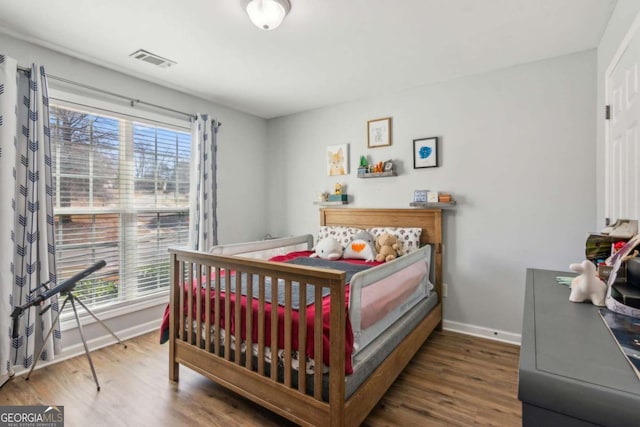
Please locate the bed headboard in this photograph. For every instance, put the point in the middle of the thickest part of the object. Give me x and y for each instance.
(429, 220)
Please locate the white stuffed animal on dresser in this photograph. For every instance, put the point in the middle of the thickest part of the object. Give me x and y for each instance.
(587, 286)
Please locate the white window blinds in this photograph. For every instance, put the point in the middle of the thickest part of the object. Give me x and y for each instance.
(121, 187)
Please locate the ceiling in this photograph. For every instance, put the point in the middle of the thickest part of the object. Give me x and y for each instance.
(326, 51)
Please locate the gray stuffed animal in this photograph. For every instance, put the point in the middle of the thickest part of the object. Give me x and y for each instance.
(362, 246)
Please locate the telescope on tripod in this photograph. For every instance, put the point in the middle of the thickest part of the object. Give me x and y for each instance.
(65, 287)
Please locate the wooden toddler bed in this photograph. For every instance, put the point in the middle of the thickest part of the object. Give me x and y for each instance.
(205, 283)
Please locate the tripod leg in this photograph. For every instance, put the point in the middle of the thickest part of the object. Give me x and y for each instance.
(99, 321)
(46, 338)
(86, 348)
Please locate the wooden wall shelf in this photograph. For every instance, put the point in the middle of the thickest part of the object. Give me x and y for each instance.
(449, 205)
(336, 203)
(376, 174)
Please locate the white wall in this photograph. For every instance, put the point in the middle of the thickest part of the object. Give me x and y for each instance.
(241, 165)
(518, 154)
(621, 19)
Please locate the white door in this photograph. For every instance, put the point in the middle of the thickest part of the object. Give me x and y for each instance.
(622, 149)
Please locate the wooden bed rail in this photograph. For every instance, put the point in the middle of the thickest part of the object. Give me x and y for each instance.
(303, 399)
(211, 345)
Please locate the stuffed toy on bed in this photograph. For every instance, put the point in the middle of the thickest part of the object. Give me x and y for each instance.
(388, 248)
(328, 248)
(362, 246)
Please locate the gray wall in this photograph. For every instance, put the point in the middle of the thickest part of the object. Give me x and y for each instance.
(518, 154)
(619, 24)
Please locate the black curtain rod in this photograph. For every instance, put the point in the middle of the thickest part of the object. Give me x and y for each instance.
(132, 101)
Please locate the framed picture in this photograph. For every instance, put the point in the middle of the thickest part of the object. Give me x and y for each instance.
(379, 132)
(420, 196)
(338, 159)
(432, 196)
(425, 153)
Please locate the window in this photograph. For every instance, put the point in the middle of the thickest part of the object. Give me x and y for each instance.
(121, 194)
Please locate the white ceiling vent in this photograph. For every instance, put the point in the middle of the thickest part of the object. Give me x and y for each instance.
(152, 58)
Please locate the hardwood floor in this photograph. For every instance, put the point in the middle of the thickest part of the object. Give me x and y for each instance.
(454, 380)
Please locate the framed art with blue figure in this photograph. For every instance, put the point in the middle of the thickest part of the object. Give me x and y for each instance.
(425, 153)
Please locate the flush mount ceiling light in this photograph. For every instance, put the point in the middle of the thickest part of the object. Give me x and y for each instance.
(267, 14)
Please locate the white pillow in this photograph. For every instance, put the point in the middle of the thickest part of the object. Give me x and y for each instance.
(341, 233)
(409, 237)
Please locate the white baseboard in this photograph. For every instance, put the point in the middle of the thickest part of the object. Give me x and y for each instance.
(482, 332)
(96, 344)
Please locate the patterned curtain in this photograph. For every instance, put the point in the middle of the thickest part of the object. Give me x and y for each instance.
(27, 244)
(8, 99)
(203, 223)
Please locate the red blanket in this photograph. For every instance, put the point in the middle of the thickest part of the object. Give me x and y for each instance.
(309, 346)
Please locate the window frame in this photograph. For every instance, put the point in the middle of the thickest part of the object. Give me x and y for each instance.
(100, 106)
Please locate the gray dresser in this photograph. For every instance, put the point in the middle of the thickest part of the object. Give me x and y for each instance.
(571, 372)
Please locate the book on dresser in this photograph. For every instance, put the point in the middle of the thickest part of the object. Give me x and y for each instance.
(626, 332)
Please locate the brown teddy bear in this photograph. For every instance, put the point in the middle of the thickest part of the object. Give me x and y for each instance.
(388, 248)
